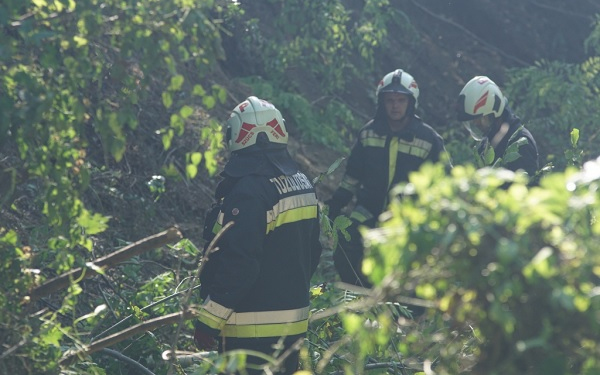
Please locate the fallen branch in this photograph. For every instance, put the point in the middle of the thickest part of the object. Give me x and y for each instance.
(108, 261)
(187, 313)
(138, 366)
(149, 325)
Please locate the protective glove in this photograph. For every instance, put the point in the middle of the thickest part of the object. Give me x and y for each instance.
(334, 209)
(203, 340)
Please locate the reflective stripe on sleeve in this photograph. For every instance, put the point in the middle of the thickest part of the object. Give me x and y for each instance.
(214, 315)
(350, 183)
(219, 223)
(361, 214)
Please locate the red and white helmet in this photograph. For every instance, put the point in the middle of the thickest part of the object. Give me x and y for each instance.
(480, 97)
(401, 82)
(251, 118)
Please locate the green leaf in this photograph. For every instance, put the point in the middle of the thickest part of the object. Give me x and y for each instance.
(191, 170)
(176, 82)
(52, 337)
(80, 41)
(198, 90)
(489, 155)
(335, 165)
(196, 157)
(352, 322)
(92, 224)
(574, 137)
(186, 111)
(209, 102)
(167, 138)
(177, 124)
(167, 99)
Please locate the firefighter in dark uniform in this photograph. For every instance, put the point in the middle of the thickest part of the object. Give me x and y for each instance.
(255, 287)
(486, 114)
(390, 146)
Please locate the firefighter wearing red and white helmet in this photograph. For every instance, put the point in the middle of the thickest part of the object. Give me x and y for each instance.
(251, 118)
(484, 110)
(255, 288)
(393, 144)
(400, 82)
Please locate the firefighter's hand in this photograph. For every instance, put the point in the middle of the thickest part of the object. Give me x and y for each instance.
(334, 210)
(204, 341)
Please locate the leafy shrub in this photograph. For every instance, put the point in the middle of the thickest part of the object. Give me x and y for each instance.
(517, 266)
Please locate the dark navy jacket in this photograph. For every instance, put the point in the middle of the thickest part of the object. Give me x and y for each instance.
(257, 284)
(381, 159)
(503, 138)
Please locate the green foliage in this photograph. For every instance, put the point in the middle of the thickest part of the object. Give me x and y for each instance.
(77, 77)
(518, 265)
(555, 98)
(312, 45)
(331, 125)
(513, 273)
(574, 155)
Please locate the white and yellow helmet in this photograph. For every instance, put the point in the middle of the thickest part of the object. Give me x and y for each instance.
(254, 117)
(480, 97)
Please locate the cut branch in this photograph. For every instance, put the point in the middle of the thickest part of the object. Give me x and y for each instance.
(138, 366)
(108, 261)
(148, 325)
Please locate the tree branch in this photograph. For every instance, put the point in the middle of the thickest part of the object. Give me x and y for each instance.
(115, 354)
(136, 248)
(149, 325)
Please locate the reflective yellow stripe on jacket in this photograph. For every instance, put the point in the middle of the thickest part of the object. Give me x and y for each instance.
(267, 323)
(292, 209)
(417, 147)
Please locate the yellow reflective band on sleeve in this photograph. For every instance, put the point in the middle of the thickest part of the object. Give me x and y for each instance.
(219, 223)
(350, 183)
(214, 315)
(210, 320)
(265, 330)
(361, 214)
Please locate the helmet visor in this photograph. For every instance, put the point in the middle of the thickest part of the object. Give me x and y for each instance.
(474, 131)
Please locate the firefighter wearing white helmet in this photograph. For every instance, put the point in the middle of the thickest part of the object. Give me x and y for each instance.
(250, 119)
(393, 144)
(400, 82)
(485, 112)
(255, 288)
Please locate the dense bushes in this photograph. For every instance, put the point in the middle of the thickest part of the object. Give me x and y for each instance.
(517, 266)
(510, 276)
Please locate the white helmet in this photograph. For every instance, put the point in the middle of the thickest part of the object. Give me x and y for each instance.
(480, 97)
(251, 118)
(401, 82)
